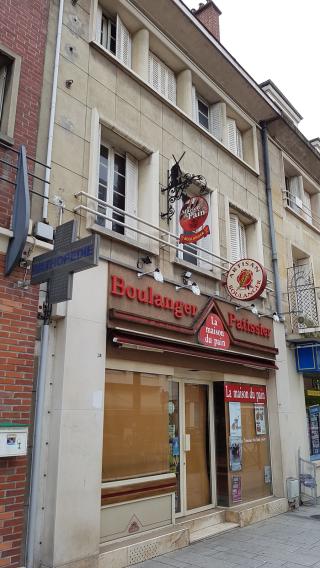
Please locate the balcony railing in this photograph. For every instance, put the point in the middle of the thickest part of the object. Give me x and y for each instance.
(301, 209)
(143, 231)
(302, 296)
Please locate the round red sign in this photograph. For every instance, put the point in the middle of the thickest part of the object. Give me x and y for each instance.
(194, 213)
(246, 279)
(213, 334)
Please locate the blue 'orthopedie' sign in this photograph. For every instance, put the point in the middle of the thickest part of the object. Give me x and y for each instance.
(69, 256)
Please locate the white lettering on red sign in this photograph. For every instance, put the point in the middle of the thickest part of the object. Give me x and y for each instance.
(213, 334)
(234, 392)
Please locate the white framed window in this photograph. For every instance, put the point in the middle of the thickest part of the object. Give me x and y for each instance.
(298, 198)
(235, 143)
(190, 253)
(238, 238)
(162, 78)
(209, 116)
(118, 187)
(3, 79)
(112, 34)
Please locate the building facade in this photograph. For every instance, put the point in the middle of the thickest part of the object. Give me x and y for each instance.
(22, 45)
(171, 405)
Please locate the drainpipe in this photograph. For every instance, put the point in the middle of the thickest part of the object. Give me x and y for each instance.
(266, 163)
(40, 399)
(52, 114)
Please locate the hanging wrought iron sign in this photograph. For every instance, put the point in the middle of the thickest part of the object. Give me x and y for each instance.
(246, 279)
(192, 217)
(178, 182)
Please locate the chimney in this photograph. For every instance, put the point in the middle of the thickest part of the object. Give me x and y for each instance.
(208, 14)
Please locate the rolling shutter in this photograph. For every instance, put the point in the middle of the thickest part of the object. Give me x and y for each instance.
(123, 47)
(131, 190)
(307, 213)
(239, 144)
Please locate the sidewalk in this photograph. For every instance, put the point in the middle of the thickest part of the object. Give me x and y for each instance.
(291, 540)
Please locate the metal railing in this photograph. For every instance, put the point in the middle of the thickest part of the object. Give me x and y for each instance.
(99, 211)
(298, 206)
(302, 298)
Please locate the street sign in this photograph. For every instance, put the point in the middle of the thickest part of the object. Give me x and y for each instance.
(68, 256)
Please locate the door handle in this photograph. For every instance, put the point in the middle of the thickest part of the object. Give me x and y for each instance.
(187, 443)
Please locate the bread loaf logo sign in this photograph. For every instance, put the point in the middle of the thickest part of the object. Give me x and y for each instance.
(246, 279)
(192, 218)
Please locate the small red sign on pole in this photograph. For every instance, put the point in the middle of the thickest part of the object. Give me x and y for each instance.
(192, 216)
(213, 334)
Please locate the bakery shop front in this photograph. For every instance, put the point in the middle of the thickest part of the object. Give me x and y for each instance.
(186, 405)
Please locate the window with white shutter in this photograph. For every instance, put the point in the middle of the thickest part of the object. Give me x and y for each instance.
(162, 78)
(307, 211)
(3, 76)
(113, 36)
(238, 242)
(217, 120)
(234, 138)
(118, 187)
(295, 193)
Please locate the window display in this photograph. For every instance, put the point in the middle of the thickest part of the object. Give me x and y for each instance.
(135, 435)
(312, 396)
(241, 418)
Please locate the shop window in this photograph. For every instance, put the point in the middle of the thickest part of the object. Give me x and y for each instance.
(9, 83)
(113, 35)
(135, 435)
(118, 187)
(162, 78)
(312, 396)
(238, 238)
(242, 443)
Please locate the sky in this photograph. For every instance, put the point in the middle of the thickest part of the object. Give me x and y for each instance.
(277, 40)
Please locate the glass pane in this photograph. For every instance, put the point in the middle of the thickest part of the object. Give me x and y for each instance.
(198, 458)
(203, 114)
(135, 435)
(113, 35)
(174, 438)
(103, 183)
(119, 188)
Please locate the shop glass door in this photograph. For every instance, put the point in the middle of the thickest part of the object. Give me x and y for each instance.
(190, 445)
(197, 454)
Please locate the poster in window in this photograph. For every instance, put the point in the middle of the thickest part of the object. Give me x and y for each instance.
(236, 488)
(267, 474)
(260, 419)
(235, 449)
(235, 420)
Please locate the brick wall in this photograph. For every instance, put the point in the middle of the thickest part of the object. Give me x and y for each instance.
(18, 326)
(23, 29)
(208, 14)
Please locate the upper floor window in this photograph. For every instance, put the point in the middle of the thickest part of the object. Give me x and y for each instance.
(3, 78)
(298, 198)
(238, 238)
(235, 144)
(118, 188)
(112, 34)
(10, 64)
(162, 78)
